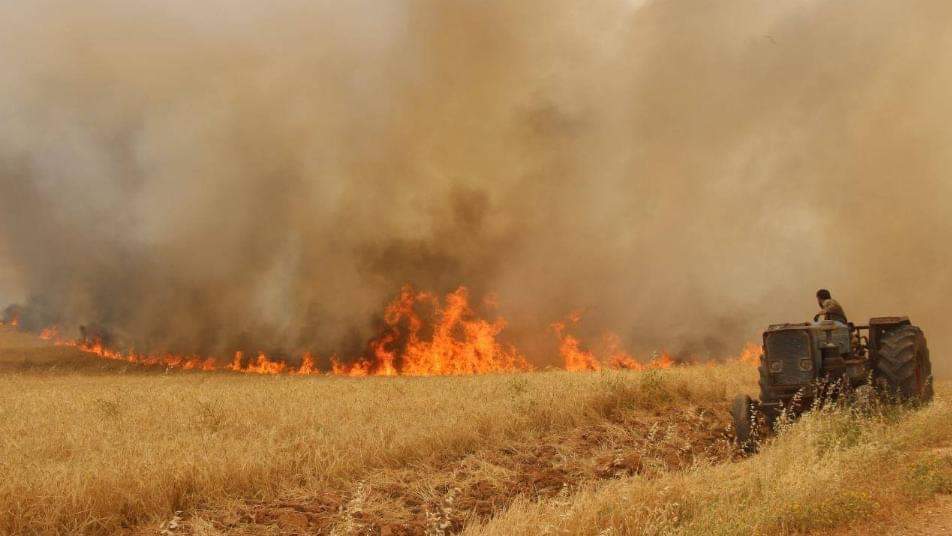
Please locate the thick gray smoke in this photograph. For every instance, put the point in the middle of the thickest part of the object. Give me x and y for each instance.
(204, 176)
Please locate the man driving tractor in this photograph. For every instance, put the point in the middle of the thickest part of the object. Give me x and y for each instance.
(806, 362)
(830, 309)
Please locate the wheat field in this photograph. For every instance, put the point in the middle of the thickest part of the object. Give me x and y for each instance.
(91, 447)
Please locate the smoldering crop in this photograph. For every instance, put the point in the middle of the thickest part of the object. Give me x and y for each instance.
(201, 177)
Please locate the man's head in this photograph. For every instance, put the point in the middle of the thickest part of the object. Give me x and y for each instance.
(822, 295)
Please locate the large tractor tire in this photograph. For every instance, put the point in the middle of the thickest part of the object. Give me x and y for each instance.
(903, 368)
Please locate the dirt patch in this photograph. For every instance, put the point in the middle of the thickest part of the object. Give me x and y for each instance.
(432, 499)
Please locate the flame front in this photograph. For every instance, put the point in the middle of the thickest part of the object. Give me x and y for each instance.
(454, 342)
(423, 335)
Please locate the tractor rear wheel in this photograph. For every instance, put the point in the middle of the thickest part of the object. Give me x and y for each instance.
(903, 367)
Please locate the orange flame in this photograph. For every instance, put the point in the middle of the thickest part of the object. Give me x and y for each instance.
(458, 343)
(13, 322)
(307, 366)
(617, 357)
(423, 335)
(661, 361)
(263, 365)
(750, 355)
(576, 358)
(446, 339)
(96, 348)
(358, 369)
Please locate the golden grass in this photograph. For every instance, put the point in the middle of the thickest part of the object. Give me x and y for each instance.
(830, 469)
(95, 453)
(104, 452)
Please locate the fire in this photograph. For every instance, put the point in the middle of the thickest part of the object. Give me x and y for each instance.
(97, 348)
(577, 358)
(49, 334)
(307, 366)
(424, 334)
(262, 365)
(618, 357)
(750, 355)
(456, 343)
(475, 351)
(357, 369)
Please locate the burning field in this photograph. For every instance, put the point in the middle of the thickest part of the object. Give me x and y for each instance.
(436, 426)
(456, 267)
(423, 335)
(100, 446)
(324, 454)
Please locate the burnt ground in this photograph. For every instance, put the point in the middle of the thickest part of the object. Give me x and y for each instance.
(442, 498)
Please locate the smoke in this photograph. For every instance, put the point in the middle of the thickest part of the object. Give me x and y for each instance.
(200, 177)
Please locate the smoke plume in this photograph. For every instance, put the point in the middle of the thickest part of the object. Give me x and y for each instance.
(205, 176)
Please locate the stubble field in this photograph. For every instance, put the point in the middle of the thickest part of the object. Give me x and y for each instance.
(95, 447)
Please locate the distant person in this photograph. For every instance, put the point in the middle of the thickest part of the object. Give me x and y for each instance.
(830, 309)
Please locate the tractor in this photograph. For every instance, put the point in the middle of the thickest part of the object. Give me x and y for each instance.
(802, 363)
